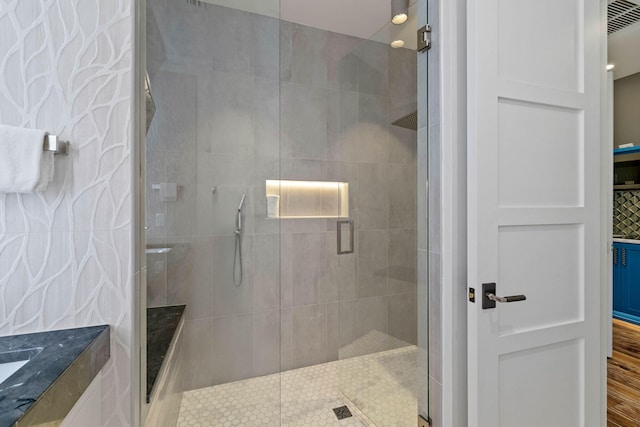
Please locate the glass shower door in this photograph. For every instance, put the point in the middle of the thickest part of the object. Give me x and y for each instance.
(349, 169)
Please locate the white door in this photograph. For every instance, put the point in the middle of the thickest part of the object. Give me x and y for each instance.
(535, 75)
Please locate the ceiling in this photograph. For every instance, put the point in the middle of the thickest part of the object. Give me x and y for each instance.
(359, 18)
(370, 19)
(624, 46)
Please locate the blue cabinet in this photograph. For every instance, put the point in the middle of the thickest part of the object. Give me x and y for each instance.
(626, 282)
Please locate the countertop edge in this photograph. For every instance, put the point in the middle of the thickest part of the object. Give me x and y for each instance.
(620, 240)
(55, 403)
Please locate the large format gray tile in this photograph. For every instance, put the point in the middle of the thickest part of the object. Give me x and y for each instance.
(348, 322)
(266, 288)
(309, 268)
(308, 63)
(266, 119)
(229, 298)
(373, 315)
(373, 128)
(174, 124)
(232, 45)
(267, 46)
(373, 67)
(199, 294)
(372, 196)
(342, 272)
(402, 195)
(181, 170)
(343, 123)
(372, 262)
(232, 356)
(309, 123)
(333, 331)
(402, 317)
(309, 335)
(266, 343)
(188, 33)
(198, 349)
(286, 339)
(402, 145)
(342, 62)
(402, 273)
(225, 113)
(403, 81)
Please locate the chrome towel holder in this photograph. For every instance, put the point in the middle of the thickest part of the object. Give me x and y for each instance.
(55, 145)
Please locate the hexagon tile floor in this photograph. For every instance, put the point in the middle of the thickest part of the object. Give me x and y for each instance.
(382, 385)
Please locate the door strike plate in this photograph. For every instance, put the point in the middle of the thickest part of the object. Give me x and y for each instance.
(472, 295)
(424, 422)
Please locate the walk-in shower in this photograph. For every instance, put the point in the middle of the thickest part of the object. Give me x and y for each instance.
(299, 272)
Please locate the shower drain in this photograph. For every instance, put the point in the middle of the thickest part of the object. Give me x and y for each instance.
(342, 412)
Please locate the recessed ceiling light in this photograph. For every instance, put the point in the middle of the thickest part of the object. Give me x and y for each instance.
(610, 67)
(397, 43)
(400, 18)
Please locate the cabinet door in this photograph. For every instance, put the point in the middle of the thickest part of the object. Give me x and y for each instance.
(617, 285)
(632, 279)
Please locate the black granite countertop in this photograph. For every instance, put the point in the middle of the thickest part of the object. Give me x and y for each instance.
(162, 323)
(61, 366)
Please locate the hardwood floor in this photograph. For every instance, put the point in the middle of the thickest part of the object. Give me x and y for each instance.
(623, 398)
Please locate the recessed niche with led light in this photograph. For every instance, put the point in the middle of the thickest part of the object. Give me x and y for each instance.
(307, 199)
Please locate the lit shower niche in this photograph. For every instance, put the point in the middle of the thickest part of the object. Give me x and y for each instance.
(307, 199)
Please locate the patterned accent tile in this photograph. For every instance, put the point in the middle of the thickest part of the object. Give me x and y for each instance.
(626, 213)
(65, 254)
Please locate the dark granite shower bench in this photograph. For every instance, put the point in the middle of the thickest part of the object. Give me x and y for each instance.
(162, 323)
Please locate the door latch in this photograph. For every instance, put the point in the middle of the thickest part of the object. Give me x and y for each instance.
(489, 297)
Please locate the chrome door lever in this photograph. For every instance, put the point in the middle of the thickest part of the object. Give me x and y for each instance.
(489, 297)
(512, 298)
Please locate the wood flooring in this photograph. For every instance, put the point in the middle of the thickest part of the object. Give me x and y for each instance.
(623, 398)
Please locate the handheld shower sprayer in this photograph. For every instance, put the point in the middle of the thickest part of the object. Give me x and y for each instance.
(237, 253)
(239, 215)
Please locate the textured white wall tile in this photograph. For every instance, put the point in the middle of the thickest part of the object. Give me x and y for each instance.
(65, 255)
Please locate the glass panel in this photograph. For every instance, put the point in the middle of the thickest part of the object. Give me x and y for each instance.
(350, 320)
(212, 142)
(378, 355)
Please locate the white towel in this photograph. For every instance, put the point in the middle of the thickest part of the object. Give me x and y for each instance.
(24, 167)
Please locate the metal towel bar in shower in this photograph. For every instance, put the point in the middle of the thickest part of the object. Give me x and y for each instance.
(53, 144)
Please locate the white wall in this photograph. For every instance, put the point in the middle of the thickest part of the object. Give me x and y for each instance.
(65, 255)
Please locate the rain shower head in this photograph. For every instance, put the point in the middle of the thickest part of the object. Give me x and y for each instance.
(408, 122)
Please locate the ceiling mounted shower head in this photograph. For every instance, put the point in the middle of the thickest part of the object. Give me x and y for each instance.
(399, 11)
(408, 122)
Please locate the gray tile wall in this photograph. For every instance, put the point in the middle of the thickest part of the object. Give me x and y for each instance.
(231, 115)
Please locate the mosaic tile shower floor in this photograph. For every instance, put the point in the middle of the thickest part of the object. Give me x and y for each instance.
(382, 384)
